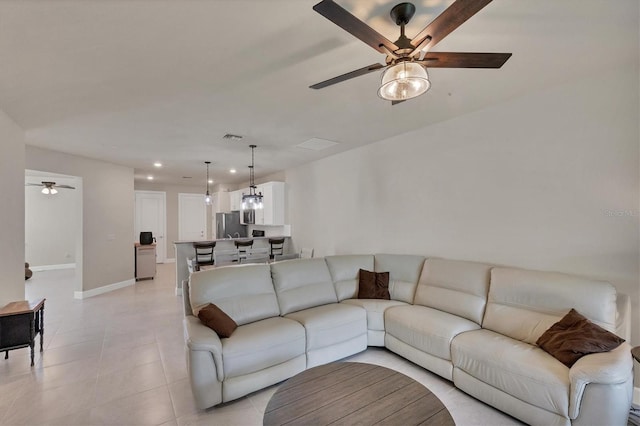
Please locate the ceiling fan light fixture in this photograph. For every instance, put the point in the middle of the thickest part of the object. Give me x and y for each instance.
(49, 191)
(404, 80)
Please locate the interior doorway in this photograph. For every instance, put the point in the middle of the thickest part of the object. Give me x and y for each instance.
(53, 223)
(192, 217)
(150, 215)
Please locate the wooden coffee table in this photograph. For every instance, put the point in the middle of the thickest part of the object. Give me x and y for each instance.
(348, 393)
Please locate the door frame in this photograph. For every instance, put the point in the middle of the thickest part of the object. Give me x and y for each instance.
(161, 256)
(181, 196)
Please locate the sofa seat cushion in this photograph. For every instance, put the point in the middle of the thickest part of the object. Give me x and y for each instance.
(514, 367)
(327, 325)
(426, 329)
(375, 310)
(261, 344)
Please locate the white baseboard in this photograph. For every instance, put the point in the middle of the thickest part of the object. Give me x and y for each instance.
(103, 289)
(52, 267)
(173, 260)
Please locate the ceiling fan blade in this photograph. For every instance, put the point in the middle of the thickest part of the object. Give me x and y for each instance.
(345, 20)
(396, 102)
(347, 76)
(33, 184)
(454, 16)
(464, 60)
(65, 186)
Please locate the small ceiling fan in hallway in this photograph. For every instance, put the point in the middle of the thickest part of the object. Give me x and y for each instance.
(49, 188)
(405, 72)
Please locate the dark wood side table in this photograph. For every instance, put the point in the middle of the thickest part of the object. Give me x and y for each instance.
(348, 393)
(20, 322)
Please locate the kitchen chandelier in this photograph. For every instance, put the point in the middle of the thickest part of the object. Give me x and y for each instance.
(252, 200)
(207, 196)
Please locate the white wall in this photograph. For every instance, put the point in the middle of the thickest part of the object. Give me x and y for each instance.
(107, 214)
(11, 210)
(548, 181)
(51, 222)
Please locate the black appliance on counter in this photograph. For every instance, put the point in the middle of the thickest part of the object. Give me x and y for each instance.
(146, 238)
(257, 233)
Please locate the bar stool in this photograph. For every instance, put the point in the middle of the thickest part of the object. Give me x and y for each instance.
(204, 254)
(277, 247)
(242, 252)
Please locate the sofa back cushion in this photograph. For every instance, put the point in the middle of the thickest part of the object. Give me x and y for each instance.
(524, 304)
(245, 293)
(454, 286)
(344, 273)
(404, 272)
(302, 284)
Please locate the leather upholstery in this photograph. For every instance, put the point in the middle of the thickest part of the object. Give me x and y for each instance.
(516, 368)
(540, 299)
(426, 329)
(454, 286)
(302, 284)
(289, 320)
(261, 344)
(344, 272)
(404, 272)
(328, 325)
(245, 293)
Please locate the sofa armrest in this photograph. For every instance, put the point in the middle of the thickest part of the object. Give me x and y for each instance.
(199, 337)
(607, 368)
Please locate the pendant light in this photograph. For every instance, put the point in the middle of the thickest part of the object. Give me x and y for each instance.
(207, 196)
(252, 200)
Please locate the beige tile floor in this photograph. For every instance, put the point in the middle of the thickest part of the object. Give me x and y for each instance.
(117, 359)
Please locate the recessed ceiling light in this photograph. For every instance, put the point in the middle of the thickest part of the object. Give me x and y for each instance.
(157, 164)
(149, 177)
(232, 170)
(210, 181)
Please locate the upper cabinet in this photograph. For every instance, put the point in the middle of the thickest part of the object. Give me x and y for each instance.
(220, 202)
(273, 201)
(235, 199)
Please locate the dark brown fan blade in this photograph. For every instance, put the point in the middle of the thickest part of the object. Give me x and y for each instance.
(353, 25)
(464, 60)
(347, 76)
(454, 16)
(65, 186)
(396, 102)
(33, 184)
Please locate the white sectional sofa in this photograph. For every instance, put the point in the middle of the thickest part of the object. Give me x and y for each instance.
(471, 323)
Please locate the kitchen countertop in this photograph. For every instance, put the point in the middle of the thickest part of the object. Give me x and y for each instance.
(230, 239)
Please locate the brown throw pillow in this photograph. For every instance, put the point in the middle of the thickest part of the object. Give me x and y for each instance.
(574, 336)
(373, 285)
(215, 318)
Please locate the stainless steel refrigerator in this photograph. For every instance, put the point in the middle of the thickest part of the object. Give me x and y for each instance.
(228, 225)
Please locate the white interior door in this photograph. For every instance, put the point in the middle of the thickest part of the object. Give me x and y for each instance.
(150, 215)
(192, 217)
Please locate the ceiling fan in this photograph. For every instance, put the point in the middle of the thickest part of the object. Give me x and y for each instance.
(405, 74)
(49, 188)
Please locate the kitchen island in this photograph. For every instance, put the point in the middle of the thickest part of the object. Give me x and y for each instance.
(184, 250)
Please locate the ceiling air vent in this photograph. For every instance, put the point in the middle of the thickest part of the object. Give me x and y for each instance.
(232, 137)
(317, 144)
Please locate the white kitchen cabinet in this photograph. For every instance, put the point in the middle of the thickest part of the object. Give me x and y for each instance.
(273, 200)
(235, 200)
(220, 202)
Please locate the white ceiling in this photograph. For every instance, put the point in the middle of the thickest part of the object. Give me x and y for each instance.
(133, 82)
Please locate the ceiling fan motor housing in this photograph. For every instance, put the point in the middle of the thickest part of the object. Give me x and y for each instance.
(402, 13)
